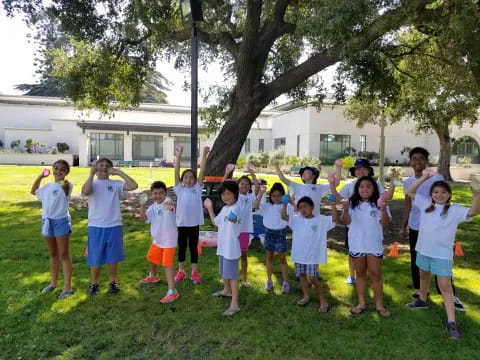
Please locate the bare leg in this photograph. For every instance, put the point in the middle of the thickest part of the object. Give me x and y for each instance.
(351, 268)
(284, 266)
(233, 284)
(424, 284)
(305, 286)
(95, 274)
(319, 289)
(112, 272)
(170, 275)
(152, 269)
(181, 266)
(445, 285)
(244, 263)
(269, 265)
(64, 253)
(360, 265)
(54, 260)
(374, 266)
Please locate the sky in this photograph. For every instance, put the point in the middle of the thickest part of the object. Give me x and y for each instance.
(18, 52)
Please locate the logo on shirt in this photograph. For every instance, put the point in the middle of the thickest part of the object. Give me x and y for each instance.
(373, 213)
(227, 219)
(314, 188)
(314, 228)
(194, 191)
(110, 188)
(55, 192)
(160, 212)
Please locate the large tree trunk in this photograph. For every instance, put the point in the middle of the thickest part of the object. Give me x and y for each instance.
(445, 151)
(231, 138)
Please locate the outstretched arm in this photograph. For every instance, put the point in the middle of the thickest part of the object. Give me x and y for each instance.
(178, 155)
(130, 184)
(87, 187)
(209, 206)
(256, 184)
(284, 214)
(475, 209)
(203, 164)
(412, 190)
(258, 199)
(36, 183)
(334, 211)
(385, 219)
(346, 218)
(143, 215)
(281, 175)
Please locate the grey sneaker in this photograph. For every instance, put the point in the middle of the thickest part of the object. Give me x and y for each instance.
(458, 304)
(93, 289)
(417, 304)
(452, 330)
(269, 285)
(285, 287)
(113, 287)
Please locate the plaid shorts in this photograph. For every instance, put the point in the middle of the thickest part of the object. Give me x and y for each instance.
(308, 269)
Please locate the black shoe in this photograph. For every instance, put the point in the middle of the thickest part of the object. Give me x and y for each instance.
(113, 287)
(452, 330)
(417, 304)
(93, 289)
(416, 295)
(458, 304)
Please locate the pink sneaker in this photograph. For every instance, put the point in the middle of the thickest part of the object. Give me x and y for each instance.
(180, 276)
(150, 280)
(170, 297)
(195, 277)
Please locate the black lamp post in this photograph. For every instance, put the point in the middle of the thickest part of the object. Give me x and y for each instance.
(191, 11)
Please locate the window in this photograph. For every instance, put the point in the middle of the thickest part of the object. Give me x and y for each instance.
(298, 145)
(261, 145)
(279, 143)
(332, 146)
(187, 146)
(466, 147)
(247, 146)
(147, 147)
(106, 145)
(363, 142)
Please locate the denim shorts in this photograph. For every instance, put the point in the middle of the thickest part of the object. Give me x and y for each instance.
(105, 245)
(52, 228)
(275, 240)
(228, 268)
(439, 267)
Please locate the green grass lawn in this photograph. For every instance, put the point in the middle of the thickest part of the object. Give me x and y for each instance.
(134, 325)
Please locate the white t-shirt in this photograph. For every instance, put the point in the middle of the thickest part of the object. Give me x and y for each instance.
(313, 191)
(163, 226)
(228, 244)
(54, 201)
(189, 205)
(437, 233)
(424, 190)
(104, 203)
(365, 232)
(245, 204)
(347, 190)
(272, 216)
(309, 237)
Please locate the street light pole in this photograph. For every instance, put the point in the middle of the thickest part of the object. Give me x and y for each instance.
(194, 99)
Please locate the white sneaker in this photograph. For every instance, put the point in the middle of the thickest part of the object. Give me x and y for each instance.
(458, 304)
(350, 280)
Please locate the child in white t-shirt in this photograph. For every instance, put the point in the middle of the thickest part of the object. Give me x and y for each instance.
(366, 220)
(439, 220)
(309, 188)
(275, 233)
(309, 246)
(56, 227)
(163, 228)
(228, 222)
(188, 189)
(246, 198)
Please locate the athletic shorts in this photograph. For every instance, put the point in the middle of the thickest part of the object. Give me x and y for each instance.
(307, 269)
(356, 255)
(105, 245)
(228, 268)
(439, 267)
(244, 239)
(161, 256)
(275, 240)
(52, 228)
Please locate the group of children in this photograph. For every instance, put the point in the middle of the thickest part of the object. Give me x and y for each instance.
(364, 212)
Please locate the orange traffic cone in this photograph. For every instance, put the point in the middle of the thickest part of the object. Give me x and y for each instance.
(458, 249)
(394, 250)
(199, 249)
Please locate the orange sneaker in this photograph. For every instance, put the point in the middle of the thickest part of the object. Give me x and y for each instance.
(180, 276)
(171, 296)
(195, 277)
(150, 280)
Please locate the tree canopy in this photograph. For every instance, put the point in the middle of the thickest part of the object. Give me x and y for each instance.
(266, 48)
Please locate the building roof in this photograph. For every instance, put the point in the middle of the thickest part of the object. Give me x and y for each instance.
(125, 126)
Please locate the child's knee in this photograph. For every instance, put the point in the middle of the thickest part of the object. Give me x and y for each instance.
(283, 259)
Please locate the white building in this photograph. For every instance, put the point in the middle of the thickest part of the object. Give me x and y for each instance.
(151, 132)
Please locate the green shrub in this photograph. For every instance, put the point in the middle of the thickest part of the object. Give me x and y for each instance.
(254, 160)
(264, 159)
(241, 161)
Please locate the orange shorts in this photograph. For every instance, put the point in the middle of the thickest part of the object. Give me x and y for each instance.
(161, 256)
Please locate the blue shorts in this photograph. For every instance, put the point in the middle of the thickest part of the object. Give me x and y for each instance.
(439, 267)
(228, 268)
(52, 228)
(105, 245)
(275, 240)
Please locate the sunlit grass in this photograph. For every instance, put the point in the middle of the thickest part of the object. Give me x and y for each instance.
(134, 325)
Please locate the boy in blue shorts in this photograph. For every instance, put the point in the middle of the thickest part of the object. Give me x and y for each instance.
(105, 234)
